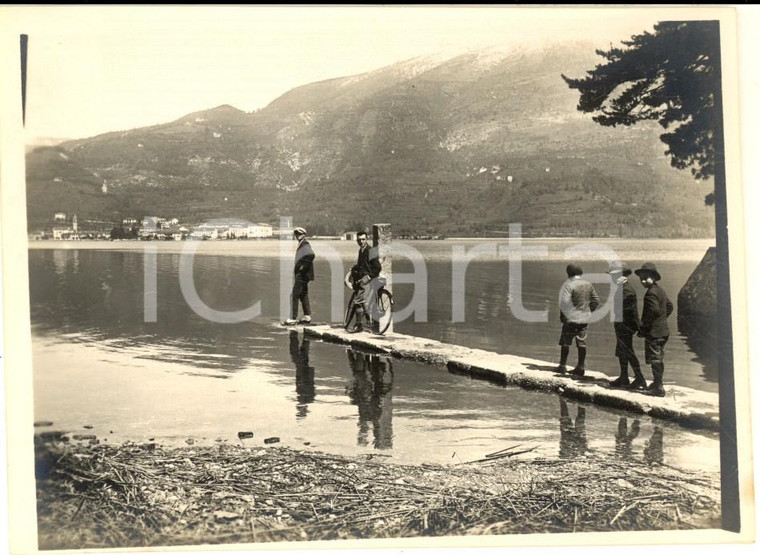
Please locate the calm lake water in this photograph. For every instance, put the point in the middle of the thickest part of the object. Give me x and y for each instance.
(97, 362)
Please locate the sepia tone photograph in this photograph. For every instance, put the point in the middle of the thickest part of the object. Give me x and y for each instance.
(373, 274)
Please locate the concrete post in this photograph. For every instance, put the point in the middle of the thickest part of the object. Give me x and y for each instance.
(286, 265)
(382, 240)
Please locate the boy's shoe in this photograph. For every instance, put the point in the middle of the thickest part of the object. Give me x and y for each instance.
(578, 371)
(305, 320)
(356, 329)
(561, 369)
(290, 322)
(656, 390)
(638, 383)
(622, 381)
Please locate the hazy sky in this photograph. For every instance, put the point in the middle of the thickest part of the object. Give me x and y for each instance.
(98, 69)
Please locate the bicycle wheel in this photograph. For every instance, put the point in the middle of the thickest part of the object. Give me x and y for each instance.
(384, 310)
(350, 317)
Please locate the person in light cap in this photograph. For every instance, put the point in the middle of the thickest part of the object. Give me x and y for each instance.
(625, 310)
(577, 300)
(303, 273)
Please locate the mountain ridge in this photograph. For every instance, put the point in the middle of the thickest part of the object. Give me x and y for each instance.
(444, 146)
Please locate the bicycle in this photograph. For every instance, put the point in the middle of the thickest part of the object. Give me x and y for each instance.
(381, 310)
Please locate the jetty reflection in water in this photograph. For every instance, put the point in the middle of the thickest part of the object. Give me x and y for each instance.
(572, 435)
(370, 390)
(305, 390)
(573, 441)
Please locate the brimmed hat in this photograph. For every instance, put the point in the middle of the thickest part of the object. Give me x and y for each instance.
(574, 269)
(650, 268)
(619, 267)
(299, 231)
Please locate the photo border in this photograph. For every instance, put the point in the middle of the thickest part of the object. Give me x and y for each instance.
(17, 334)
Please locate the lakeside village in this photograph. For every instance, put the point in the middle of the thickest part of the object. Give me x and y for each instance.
(154, 228)
(150, 228)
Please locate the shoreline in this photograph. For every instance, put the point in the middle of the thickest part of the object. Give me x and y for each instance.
(105, 496)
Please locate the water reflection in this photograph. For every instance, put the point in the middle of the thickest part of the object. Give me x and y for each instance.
(87, 310)
(701, 336)
(572, 435)
(653, 449)
(305, 390)
(370, 389)
(624, 438)
(102, 292)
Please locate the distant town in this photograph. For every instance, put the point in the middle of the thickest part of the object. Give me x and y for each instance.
(150, 228)
(63, 227)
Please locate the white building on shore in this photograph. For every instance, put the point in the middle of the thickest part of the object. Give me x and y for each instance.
(228, 228)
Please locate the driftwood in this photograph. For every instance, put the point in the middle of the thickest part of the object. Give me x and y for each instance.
(98, 496)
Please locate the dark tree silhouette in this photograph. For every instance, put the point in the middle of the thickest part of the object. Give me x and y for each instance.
(671, 76)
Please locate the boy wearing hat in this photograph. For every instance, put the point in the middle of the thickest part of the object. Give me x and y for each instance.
(303, 273)
(625, 310)
(654, 325)
(577, 300)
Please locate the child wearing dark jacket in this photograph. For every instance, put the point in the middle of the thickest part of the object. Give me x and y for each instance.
(654, 325)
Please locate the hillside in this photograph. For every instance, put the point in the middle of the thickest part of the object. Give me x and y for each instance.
(461, 146)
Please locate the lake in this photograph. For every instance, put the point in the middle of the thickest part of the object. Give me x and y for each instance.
(182, 377)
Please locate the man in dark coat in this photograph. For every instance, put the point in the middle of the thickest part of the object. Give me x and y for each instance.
(654, 325)
(626, 314)
(365, 272)
(577, 300)
(304, 273)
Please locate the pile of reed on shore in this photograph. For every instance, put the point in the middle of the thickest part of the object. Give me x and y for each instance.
(98, 496)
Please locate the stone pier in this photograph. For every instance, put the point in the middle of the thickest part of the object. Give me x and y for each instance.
(685, 406)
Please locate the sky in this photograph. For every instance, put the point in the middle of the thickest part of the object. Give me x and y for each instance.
(97, 69)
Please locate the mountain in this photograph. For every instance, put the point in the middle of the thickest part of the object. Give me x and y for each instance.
(458, 146)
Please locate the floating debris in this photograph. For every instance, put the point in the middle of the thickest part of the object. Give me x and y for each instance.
(245, 435)
(272, 440)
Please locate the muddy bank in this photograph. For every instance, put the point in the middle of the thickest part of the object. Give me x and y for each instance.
(100, 496)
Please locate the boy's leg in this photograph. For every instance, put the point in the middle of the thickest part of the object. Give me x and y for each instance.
(623, 352)
(580, 341)
(360, 302)
(655, 351)
(565, 339)
(635, 365)
(638, 380)
(656, 387)
(580, 369)
(564, 352)
(294, 295)
(305, 299)
(622, 380)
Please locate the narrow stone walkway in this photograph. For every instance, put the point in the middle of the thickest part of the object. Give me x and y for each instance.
(685, 406)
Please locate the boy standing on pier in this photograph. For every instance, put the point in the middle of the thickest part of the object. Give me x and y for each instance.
(626, 316)
(303, 273)
(654, 325)
(577, 300)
